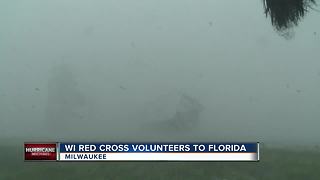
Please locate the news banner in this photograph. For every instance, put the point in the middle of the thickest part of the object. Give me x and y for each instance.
(66, 151)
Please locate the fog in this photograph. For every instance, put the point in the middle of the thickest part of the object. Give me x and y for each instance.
(109, 61)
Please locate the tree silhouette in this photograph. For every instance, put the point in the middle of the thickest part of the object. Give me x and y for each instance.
(286, 14)
(64, 100)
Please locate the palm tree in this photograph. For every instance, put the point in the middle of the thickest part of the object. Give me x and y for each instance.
(285, 14)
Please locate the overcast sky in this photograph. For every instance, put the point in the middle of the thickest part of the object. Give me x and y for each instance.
(254, 84)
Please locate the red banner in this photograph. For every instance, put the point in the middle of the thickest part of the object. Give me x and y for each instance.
(40, 151)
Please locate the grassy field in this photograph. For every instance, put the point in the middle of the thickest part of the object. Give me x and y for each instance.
(275, 164)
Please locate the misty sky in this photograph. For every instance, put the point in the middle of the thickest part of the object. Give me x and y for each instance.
(124, 54)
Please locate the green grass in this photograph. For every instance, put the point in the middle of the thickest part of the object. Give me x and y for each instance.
(275, 164)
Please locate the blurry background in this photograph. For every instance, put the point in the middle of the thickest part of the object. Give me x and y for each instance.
(87, 69)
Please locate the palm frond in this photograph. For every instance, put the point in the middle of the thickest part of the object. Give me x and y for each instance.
(285, 14)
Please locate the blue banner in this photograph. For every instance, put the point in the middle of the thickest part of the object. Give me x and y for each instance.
(159, 147)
